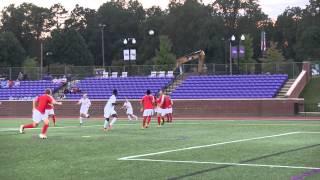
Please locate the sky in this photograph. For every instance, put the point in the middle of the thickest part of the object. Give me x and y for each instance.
(271, 7)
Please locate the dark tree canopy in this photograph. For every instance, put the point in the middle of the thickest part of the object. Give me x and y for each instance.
(75, 37)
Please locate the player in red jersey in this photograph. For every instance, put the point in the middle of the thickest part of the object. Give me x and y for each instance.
(39, 114)
(147, 108)
(160, 109)
(50, 112)
(168, 103)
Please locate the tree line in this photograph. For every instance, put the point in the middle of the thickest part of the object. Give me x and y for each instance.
(74, 38)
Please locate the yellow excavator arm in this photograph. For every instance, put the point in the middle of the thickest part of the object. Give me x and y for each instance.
(200, 55)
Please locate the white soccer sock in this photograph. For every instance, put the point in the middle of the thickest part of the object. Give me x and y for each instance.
(113, 121)
(80, 118)
(106, 124)
(129, 117)
(135, 116)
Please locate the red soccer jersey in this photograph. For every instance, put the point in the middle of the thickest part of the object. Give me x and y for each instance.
(167, 102)
(49, 106)
(147, 102)
(43, 101)
(161, 101)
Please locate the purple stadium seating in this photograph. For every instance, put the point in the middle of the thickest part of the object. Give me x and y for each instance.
(27, 90)
(230, 86)
(130, 87)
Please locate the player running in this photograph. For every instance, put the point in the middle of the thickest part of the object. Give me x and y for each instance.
(39, 114)
(85, 105)
(50, 111)
(147, 102)
(168, 103)
(127, 105)
(110, 112)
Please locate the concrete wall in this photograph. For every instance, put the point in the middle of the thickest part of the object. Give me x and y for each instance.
(301, 81)
(182, 108)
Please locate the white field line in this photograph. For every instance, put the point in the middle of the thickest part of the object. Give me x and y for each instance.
(63, 127)
(309, 132)
(208, 145)
(177, 123)
(226, 163)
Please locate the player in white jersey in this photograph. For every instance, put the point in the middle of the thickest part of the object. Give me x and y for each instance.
(110, 112)
(85, 105)
(127, 105)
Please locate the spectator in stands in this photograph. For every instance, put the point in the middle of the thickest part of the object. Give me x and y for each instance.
(10, 84)
(64, 79)
(3, 84)
(20, 76)
(16, 83)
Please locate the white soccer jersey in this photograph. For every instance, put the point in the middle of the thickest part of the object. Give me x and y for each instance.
(128, 106)
(109, 106)
(85, 102)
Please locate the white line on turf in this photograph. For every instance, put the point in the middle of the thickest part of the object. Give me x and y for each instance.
(309, 132)
(63, 127)
(86, 136)
(208, 145)
(226, 163)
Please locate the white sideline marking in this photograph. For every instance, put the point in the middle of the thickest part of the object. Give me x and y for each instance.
(62, 127)
(307, 132)
(208, 145)
(86, 136)
(225, 163)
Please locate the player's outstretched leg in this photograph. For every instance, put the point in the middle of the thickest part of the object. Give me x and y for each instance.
(129, 117)
(54, 119)
(27, 126)
(144, 125)
(106, 124)
(44, 130)
(159, 120)
(148, 121)
(114, 119)
(135, 117)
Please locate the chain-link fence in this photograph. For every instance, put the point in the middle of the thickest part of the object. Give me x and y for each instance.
(80, 72)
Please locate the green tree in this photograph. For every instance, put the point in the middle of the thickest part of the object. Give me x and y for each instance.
(11, 51)
(164, 56)
(31, 68)
(308, 46)
(248, 46)
(69, 47)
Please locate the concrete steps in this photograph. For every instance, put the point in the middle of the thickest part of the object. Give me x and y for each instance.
(285, 88)
(177, 82)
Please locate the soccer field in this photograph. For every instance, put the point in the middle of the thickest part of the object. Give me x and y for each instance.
(182, 150)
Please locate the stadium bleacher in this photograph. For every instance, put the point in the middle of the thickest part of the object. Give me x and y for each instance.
(230, 86)
(27, 90)
(130, 87)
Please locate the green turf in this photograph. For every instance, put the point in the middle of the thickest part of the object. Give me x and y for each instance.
(73, 152)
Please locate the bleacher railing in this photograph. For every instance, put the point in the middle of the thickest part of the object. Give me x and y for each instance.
(79, 72)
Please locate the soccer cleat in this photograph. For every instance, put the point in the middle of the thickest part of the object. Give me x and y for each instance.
(88, 115)
(21, 130)
(42, 136)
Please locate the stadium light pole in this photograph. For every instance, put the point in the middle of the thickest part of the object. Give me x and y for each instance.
(102, 26)
(41, 59)
(233, 38)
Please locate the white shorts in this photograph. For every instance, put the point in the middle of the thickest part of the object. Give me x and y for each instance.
(108, 113)
(37, 116)
(147, 112)
(161, 111)
(50, 111)
(129, 111)
(84, 110)
(169, 110)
